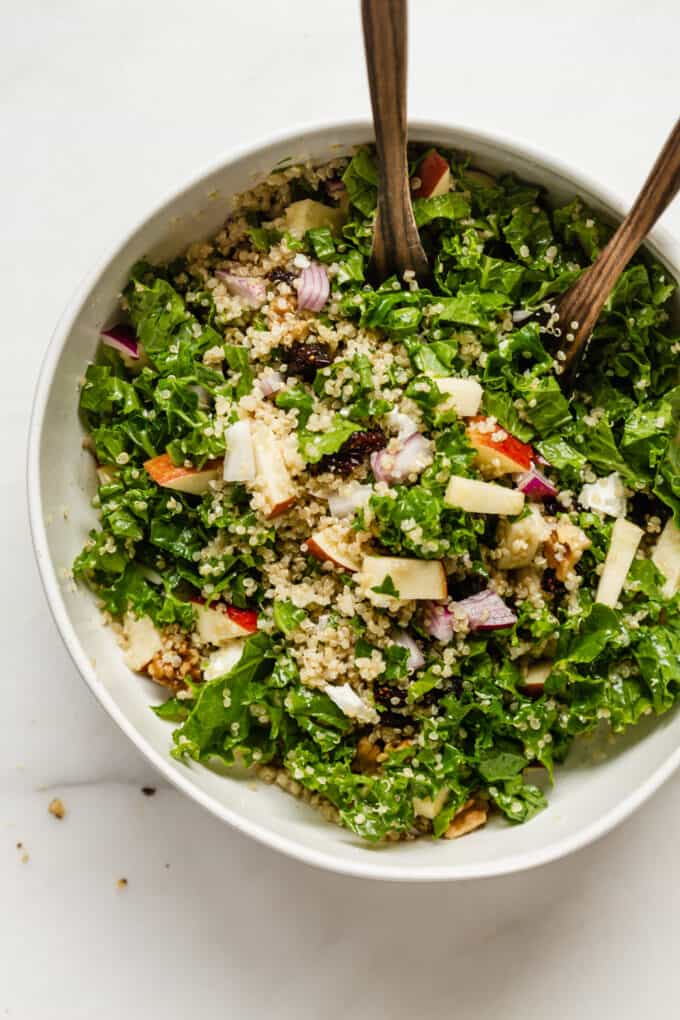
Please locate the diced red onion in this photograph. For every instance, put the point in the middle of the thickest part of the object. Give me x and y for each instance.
(414, 456)
(270, 382)
(535, 485)
(521, 314)
(439, 620)
(312, 287)
(486, 611)
(348, 499)
(121, 338)
(401, 423)
(416, 659)
(335, 187)
(251, 289)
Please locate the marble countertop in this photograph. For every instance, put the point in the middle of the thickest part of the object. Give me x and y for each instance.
(105, 106)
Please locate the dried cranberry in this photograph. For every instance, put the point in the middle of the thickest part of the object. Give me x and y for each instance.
(551, 507)
(280, 275)
(645, 505)
(353, 452)
(395, 720)
(389, 695)
(463, 587)
(431, 697)
(551, 583)
(306, 359)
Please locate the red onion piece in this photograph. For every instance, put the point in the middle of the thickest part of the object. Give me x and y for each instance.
(313, 288)
(439, 620)
(535, 485)
(348, 499)
(335, 187)
(403, 424)
(416, 659)
(251, 289)
(414, 456)
(121, 338)
(270, 382)
(486, 611)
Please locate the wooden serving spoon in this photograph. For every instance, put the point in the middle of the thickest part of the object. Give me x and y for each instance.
(396, 244)
(579, 307)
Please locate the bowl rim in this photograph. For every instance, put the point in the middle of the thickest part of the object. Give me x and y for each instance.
(660, 240)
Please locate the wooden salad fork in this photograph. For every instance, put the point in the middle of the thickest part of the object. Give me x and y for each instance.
(396, 243)
(578, 308)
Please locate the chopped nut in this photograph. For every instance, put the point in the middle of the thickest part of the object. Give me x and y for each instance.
(174, 663)
(122, 883)
(564, 547)
(56, 808)
(472, 815)
(367, 756)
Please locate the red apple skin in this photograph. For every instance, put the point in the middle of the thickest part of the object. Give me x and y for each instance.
(521, 453)
(320, 553)
(431, 171)
(533, 688)
(163, 472)
(245, 618)
(280, 508)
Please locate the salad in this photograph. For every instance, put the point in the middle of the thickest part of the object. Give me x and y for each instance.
(360, 535)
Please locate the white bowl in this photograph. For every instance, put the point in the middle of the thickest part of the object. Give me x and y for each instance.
(595, 790)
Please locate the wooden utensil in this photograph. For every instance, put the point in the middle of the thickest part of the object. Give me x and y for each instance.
(396, 244)
(580, 306)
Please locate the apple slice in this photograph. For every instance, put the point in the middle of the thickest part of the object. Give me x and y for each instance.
(666, 557)
(271, 474)
(622, 548)
(224, 659)
(435, 176)
(535, 676)
(334, 544)
(413, 579)
(217, 625)
(483, 497)
(143, 641)
(193, 481)
(462, 395)
(498, 453)
(309, 215)
(429, 807)
(239, 460)
(519, 540)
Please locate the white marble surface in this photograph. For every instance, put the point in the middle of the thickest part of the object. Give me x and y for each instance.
(104, 106)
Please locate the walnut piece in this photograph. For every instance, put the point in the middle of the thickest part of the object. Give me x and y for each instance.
(564, 547)
(367, 757)
(471, 815)
(174, 663)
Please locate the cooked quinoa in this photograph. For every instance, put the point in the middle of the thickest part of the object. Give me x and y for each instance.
(359, 535)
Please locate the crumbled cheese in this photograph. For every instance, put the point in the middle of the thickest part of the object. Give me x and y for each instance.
(349, 702)
(607, 495)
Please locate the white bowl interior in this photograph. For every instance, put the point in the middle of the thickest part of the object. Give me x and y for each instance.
(603, 780)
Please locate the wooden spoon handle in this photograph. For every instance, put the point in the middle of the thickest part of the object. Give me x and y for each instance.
(582, 304)
(396, 245)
